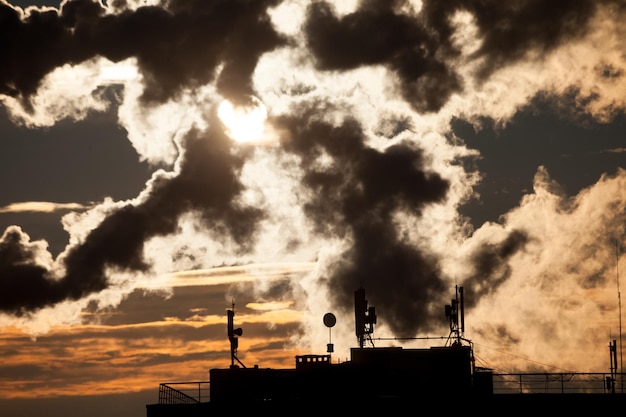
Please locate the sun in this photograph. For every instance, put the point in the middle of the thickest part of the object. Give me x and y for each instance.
(243, 122)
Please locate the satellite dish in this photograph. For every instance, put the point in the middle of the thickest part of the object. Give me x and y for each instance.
(329, 319)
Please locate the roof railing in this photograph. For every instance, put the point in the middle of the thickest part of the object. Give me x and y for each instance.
(558, 383)
(184, 392)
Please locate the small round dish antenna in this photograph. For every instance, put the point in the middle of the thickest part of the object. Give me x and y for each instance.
(329, 319)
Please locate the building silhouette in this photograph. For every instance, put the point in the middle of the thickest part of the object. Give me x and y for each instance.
(386, 380)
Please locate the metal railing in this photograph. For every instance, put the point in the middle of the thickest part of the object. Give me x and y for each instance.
(184, 392)
(558, 383)
(513, 383)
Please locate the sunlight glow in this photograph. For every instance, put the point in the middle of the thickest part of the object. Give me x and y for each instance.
(243, 123)
(118, 73)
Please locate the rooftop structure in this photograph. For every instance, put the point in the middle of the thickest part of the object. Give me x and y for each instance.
(384, 379)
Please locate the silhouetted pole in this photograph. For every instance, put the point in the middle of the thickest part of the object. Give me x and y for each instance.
(364, 318)
(233, 337)
(619, 302)
(613, 356)
(453, 311)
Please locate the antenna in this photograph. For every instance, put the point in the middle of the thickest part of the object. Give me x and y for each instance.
(462, 310)
(233, 335)
(365, 317)
(613, 356)
(329, 321)
(619, 301)
(454, 311)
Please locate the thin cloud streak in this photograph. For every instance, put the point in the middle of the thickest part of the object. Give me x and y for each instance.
(42, 207)
(230, 274)
(63, 361)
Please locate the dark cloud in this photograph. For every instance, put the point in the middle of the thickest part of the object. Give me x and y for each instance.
(24, 283)
(355, 197)
(376, 35)
(510, 30)
(207, 184)
(490, 265)
(419, 48)
(178, 46)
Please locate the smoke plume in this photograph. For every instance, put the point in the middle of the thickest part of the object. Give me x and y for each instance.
(361, 100)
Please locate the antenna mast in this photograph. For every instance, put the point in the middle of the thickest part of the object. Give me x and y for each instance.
(613, 378)
(455, 313)
(619, 301)
(233, 335)
(365, 318)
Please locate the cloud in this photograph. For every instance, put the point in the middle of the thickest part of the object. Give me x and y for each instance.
(510, 33)
(561, 289)
(41, 206)
(365, 177)
(25, 266)
(207, 184)
(363, 189)
(179, 46)
(364, 38)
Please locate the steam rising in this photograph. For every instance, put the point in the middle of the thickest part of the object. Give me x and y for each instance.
(360, 103)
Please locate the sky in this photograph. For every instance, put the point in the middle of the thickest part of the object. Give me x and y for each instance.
(164, 161)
